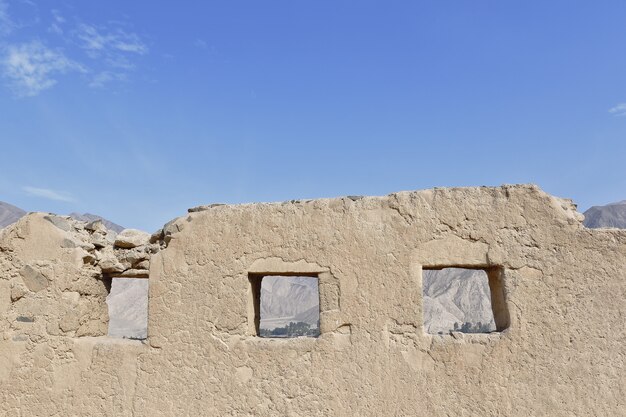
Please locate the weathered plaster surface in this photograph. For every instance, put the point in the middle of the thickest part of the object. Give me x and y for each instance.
(563, 355)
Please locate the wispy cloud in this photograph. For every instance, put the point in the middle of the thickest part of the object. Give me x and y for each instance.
(102, 40)
(115, 48)
(6, 24)
(102, 78)
(49, 194)
(104, 53)
(618, 110)
(57, 22)
(32, 67)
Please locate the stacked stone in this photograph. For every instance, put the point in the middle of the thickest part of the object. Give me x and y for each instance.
(123, 255)
(132, 249)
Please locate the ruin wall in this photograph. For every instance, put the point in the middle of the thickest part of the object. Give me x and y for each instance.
(560, 307)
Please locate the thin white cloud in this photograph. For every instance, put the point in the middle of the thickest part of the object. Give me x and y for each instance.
(618, 110)
(106, 41)
(114, 48)
(49, 194)
(6, 24)
(55, 28)
(57, 24)
(119, 62)
(58, 17)
(130, 43)
(32, 67)
(105, 53)
(105, 77)
(91, 39)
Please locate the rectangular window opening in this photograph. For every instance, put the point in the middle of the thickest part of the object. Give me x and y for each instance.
(285, 306)
(467, 300)
(128, 308)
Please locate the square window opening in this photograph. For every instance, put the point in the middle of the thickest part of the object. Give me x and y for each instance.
(467, 300)
(285, 305)
(128, 308)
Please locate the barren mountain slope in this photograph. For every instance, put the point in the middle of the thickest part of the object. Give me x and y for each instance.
(285, 299)
(611, 215)
(9, 214)
(454, 295)
(128, 308)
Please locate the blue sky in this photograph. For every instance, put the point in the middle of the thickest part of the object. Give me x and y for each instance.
(137, 110)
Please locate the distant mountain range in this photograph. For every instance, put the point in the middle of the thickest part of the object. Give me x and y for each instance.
(9, 214)
(611, 215)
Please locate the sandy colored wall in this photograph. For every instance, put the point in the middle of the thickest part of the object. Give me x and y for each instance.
(562, 355)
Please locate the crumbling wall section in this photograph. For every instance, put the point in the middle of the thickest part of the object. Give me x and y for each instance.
(54, 287)
(55, 275)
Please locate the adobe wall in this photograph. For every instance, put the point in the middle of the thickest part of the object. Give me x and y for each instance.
(563, 353)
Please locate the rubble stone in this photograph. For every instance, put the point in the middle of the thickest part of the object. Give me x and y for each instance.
(131, 238)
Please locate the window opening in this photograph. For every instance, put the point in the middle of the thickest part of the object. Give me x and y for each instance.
(286, 306)
(128, 308)
(464, 300)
